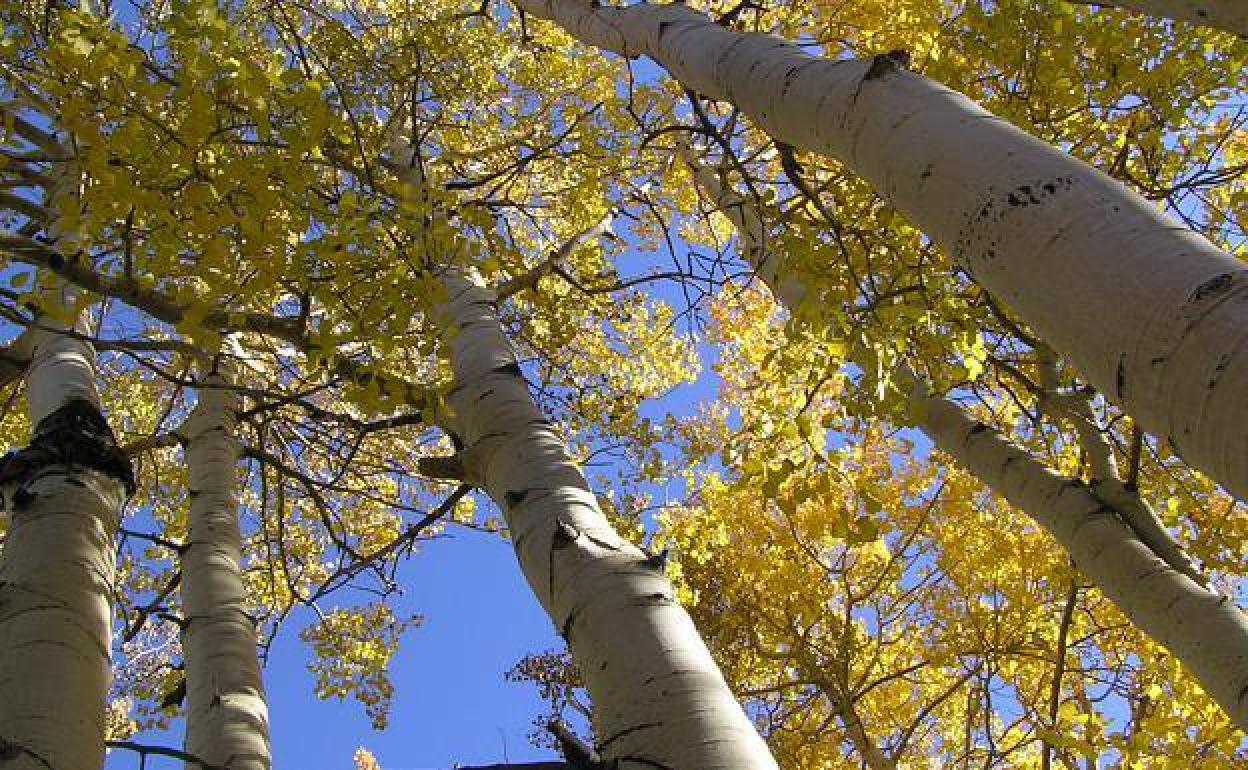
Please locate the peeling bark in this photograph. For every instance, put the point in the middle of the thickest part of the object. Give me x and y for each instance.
(227, 721)
(63, 495)
(1150, 312)
(659, 699)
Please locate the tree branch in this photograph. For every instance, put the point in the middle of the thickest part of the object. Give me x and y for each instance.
(145, 750)
(556, 259)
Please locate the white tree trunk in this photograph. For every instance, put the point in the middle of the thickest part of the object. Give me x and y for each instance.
(1154, 315)
(1229, 15)
(659, 699)
(227, 721)
(1205, 631)
(57, 567)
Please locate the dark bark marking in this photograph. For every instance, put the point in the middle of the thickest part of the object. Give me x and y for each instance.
(626, 732)
(601, 542)
(565, 630)
(1120, 378)
(886, 63)
(1210, 287)
(565, 535)
(76, 435)
(1223, 361)
(10, 751)
(656, 561)
(514, 497)
(645, 761)
(655, 599)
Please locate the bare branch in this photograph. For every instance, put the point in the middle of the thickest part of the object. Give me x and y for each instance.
(555, 261)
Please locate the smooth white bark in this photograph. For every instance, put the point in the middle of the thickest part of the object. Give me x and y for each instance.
(1142, 570)
(56, 581)
(227, 722)
(1151, 313)
(1229, 15)
(1205, 631)
(659, 699)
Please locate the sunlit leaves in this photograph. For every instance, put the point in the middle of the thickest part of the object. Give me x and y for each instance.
(352, 649)
(237, 158)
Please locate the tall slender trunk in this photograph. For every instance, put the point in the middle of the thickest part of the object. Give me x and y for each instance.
(227, 720)
(1229, 15)
(63, 495)
(1205, 631)
(872, 755)
(659, 699)
(1154, 315)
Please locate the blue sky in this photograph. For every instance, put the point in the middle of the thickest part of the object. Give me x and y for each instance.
(452, 704)
(451, 701)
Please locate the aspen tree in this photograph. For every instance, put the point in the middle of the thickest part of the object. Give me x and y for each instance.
(1161, 596)
(659, 698)
(1151, 313)
(226, 715)
(1204, 630)
(63, 495)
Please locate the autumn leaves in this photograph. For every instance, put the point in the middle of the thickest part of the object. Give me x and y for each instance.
(238, 186)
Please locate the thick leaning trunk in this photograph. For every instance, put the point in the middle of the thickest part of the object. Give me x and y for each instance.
(1229, 15)
(1205, 631)
(63, 495)
(227, 721)
(659, 699)
(1151, 313)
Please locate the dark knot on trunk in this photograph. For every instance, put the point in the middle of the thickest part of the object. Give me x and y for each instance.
(74, 436)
